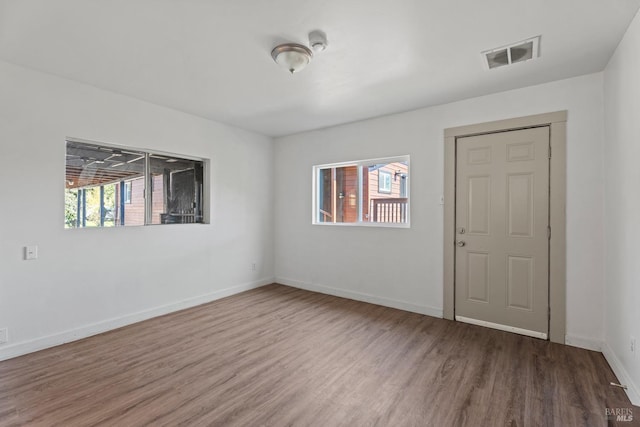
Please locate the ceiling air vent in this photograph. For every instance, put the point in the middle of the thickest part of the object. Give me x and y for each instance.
(517, 52)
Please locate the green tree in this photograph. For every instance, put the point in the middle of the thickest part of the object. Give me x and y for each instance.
(70, 208)
(92, 206)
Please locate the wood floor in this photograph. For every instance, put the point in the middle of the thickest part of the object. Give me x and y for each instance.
(278, 356)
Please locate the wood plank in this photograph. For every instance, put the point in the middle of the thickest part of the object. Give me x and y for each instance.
(283, 356)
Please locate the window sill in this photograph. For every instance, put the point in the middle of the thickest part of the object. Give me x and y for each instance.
(363, 224)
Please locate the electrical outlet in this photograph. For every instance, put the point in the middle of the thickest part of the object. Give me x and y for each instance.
(253, 266)
(632, 345)
(30, 252)
(4, 335)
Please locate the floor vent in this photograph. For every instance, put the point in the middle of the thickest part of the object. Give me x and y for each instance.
(521, 51)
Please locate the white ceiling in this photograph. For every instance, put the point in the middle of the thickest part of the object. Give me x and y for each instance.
(212, 58)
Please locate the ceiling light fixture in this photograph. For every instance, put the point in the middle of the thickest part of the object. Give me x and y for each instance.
(294, 57)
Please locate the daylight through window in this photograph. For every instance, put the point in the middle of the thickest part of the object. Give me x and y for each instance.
(362, 192)
(107, 186)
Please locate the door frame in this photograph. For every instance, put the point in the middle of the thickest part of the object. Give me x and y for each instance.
(557, 123)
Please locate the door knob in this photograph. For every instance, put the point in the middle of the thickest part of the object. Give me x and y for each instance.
(461, 243)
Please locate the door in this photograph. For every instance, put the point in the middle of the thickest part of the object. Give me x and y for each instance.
(502, 234)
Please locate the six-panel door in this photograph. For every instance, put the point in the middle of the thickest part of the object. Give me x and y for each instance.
(502, 218)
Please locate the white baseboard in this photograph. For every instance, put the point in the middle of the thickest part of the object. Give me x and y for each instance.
(358, 296)
(25, 347)
(583, 342)
(633, 392)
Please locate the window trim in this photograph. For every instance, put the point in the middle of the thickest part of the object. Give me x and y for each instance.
(315, 195)
(206, 184)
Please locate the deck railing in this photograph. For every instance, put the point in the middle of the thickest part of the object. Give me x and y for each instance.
(326, 216)
(389, 210)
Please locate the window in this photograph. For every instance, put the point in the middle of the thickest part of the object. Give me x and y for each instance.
(127, 192)
(384, 182)
(109, 186)
(403, 186)
(365, 192)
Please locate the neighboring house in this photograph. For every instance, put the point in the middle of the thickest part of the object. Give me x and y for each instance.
(131, 212)
(384, 193)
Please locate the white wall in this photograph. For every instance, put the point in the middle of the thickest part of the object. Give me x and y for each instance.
(90, 280)
(348, 261)
(622, 209)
